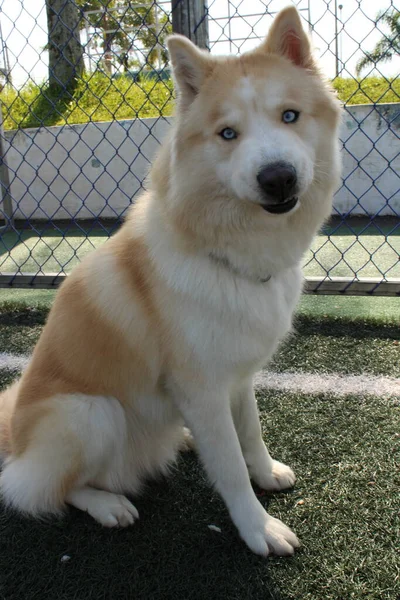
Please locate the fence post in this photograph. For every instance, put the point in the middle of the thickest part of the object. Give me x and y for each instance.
(5, 198)
(190, 18)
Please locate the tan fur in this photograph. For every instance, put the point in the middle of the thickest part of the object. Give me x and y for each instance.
(149, 332)
(7, 406)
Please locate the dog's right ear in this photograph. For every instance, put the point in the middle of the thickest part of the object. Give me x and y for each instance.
(190, 67)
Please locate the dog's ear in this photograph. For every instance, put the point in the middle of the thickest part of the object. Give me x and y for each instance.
(190, 66)
(288, 38)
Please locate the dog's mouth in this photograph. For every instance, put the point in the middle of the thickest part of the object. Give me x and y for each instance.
(281, 208)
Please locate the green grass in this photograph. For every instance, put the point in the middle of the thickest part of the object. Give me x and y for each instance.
(370, 255)
(345, 455)
(341, 308)
(345, 255)
(345, 451)
(332, 345)
(11, 298)
(350, 308)
(368, 248)
(317, 345)
(51, 250)
(28, 252)
(99, 98)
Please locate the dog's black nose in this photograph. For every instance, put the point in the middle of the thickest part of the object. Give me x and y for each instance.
(278, 181)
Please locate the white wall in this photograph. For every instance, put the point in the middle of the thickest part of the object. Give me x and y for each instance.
(95, 169)
(371, 160)
(82, 171)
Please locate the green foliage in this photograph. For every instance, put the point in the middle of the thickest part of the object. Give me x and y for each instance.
(96, 98)
(366, 91)
(388, 46)
(99, 98)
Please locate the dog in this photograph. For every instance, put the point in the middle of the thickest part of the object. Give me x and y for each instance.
(165, 325)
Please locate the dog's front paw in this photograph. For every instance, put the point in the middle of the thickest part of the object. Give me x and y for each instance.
(266, 535)
(280, 477)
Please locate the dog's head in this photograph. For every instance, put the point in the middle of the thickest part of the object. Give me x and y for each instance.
(257, 130)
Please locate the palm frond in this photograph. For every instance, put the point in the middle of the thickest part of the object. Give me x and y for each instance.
(388, 46)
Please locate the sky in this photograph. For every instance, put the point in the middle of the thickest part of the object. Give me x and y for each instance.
(24, 29)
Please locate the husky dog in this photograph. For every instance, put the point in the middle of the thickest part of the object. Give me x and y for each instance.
(166, 324)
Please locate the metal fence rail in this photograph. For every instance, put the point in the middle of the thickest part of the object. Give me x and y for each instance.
(86, 98)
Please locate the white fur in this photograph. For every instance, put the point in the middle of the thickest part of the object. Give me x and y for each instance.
(263, 142)
(91, 429)
(94, 431)
(111, 510)
(245, 91)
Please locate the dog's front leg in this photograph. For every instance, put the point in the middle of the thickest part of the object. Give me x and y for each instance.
(209, 416)
(268, 473)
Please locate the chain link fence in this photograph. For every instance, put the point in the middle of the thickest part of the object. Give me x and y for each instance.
(87, 96)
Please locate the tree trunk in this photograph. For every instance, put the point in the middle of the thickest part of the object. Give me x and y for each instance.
(190, 18)
(108, 38)
(65, 50)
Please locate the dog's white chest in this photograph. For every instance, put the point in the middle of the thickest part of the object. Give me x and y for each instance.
(240, 326)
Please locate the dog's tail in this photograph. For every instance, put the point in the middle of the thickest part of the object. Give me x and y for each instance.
(7, 403)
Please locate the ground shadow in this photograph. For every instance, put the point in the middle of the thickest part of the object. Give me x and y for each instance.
(169, 554)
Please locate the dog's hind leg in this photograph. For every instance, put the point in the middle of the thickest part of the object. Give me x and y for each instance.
(188, 443)
(61, 446)
(111, 510)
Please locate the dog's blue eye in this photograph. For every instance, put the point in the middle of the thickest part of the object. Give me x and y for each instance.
(228, 134)
(290, 116)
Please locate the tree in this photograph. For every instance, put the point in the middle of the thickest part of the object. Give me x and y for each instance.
(122, 22)
(65, 50)
(388, 46)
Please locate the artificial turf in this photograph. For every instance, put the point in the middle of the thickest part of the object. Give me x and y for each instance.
(344, 507)
(368, 248)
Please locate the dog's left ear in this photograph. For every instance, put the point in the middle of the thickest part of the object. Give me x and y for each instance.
(288, 38)
(190, 66)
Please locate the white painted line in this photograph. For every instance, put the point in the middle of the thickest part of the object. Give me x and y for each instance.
(305, 383)
(334, 384)
(13, 362)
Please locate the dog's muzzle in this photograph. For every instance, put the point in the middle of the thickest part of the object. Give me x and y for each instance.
(278, 183)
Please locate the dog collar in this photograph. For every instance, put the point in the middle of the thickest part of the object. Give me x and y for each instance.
(223, 261)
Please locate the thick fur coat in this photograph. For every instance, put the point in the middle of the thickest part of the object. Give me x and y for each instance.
(167, 323)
